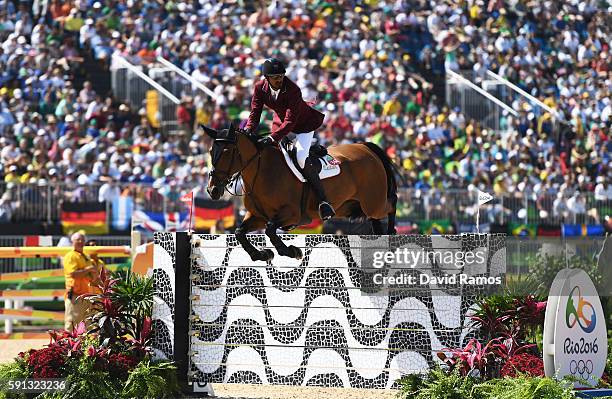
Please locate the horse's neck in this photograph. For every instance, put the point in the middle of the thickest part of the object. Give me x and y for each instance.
(259, 165)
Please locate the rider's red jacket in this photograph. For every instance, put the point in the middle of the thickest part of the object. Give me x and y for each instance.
(291, 112)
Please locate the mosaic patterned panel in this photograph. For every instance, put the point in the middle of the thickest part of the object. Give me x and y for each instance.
(307, 322)
(164, 266)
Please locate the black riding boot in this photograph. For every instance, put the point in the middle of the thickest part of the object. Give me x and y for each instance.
(326, 211)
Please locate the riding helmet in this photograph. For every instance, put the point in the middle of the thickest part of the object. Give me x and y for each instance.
(272, 66)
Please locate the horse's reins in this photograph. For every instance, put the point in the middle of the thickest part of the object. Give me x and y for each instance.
(234, 178)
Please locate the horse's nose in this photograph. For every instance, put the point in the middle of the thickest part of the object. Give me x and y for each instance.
(214, 192)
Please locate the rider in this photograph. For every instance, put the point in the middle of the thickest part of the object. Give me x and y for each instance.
(291, 114)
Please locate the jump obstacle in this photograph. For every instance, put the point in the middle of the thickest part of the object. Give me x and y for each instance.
(309, 322)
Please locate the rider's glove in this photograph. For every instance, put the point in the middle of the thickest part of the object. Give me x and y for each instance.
(268, 140)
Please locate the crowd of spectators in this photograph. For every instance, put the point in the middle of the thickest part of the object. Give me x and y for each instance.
(375, 68)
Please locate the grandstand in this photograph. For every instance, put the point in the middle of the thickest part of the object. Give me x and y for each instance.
(100, 103)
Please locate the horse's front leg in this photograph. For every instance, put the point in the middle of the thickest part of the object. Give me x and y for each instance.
(250, 223)
(282, 249)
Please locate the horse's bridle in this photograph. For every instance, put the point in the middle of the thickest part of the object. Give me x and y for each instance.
(234, 177)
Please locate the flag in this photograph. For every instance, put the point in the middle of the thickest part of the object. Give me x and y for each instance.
(582, 230)
(440, 226)
(38, 241)
(159, 221)
(187, 198)
(549, 231)
(208, 212)
(314, 227)
(522, 230)
(483, 197)
(122, 212)
(176, 221)
(406, 226)
(87, 216)
(148, 221)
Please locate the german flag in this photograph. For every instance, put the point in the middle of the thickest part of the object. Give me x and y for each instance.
(89, 217)
(208, 212)
(314, 227)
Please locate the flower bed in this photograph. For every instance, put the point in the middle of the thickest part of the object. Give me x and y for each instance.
(110, 359)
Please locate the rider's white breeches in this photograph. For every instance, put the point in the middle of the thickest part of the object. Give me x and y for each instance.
(302, 146)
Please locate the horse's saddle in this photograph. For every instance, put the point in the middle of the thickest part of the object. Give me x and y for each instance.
(327, 166)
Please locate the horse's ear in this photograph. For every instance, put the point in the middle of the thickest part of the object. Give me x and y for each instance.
(210, 132)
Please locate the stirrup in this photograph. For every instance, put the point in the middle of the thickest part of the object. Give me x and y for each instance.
(326, 211)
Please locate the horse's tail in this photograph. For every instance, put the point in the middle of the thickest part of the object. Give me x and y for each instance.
(390, 169)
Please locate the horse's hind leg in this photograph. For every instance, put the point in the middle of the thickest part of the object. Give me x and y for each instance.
(282, 249)
(391, 230)
(377, 227)
(251, 223)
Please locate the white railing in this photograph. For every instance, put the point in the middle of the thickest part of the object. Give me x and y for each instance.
(187, 77)
(477, 103)
(132, 83)
(460, 79)
(555, 114)
(136, 70)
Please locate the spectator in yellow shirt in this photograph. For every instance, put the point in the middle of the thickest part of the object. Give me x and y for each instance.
(73, 22)
(12, 176)
(79, 272)
(392, 106)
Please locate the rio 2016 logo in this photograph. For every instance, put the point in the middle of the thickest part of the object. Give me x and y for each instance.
(578, 311)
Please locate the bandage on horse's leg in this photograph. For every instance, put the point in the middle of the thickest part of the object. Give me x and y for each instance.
(251, 223)
(282, 249)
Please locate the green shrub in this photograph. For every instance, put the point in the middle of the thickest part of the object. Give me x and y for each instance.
(521, 285)
(11, 371)
(524, 387)
(85, 378)
(439, 384)
(135, 293)
(544, 269)
(152, 380)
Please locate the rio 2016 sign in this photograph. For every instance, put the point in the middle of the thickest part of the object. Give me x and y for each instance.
(575, 337)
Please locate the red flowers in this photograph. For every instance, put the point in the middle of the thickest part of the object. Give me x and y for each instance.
(507, 325)
(121, 364)
(483, 360)
(523, 363)
(46, 363)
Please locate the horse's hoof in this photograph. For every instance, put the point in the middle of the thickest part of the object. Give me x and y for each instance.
(295, 252)
(266, 255)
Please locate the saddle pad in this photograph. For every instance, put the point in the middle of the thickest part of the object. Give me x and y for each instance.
(329, 166)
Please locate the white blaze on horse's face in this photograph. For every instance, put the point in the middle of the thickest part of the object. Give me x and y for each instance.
(225, 165)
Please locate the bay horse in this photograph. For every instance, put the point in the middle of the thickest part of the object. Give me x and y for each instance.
(274, 198)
